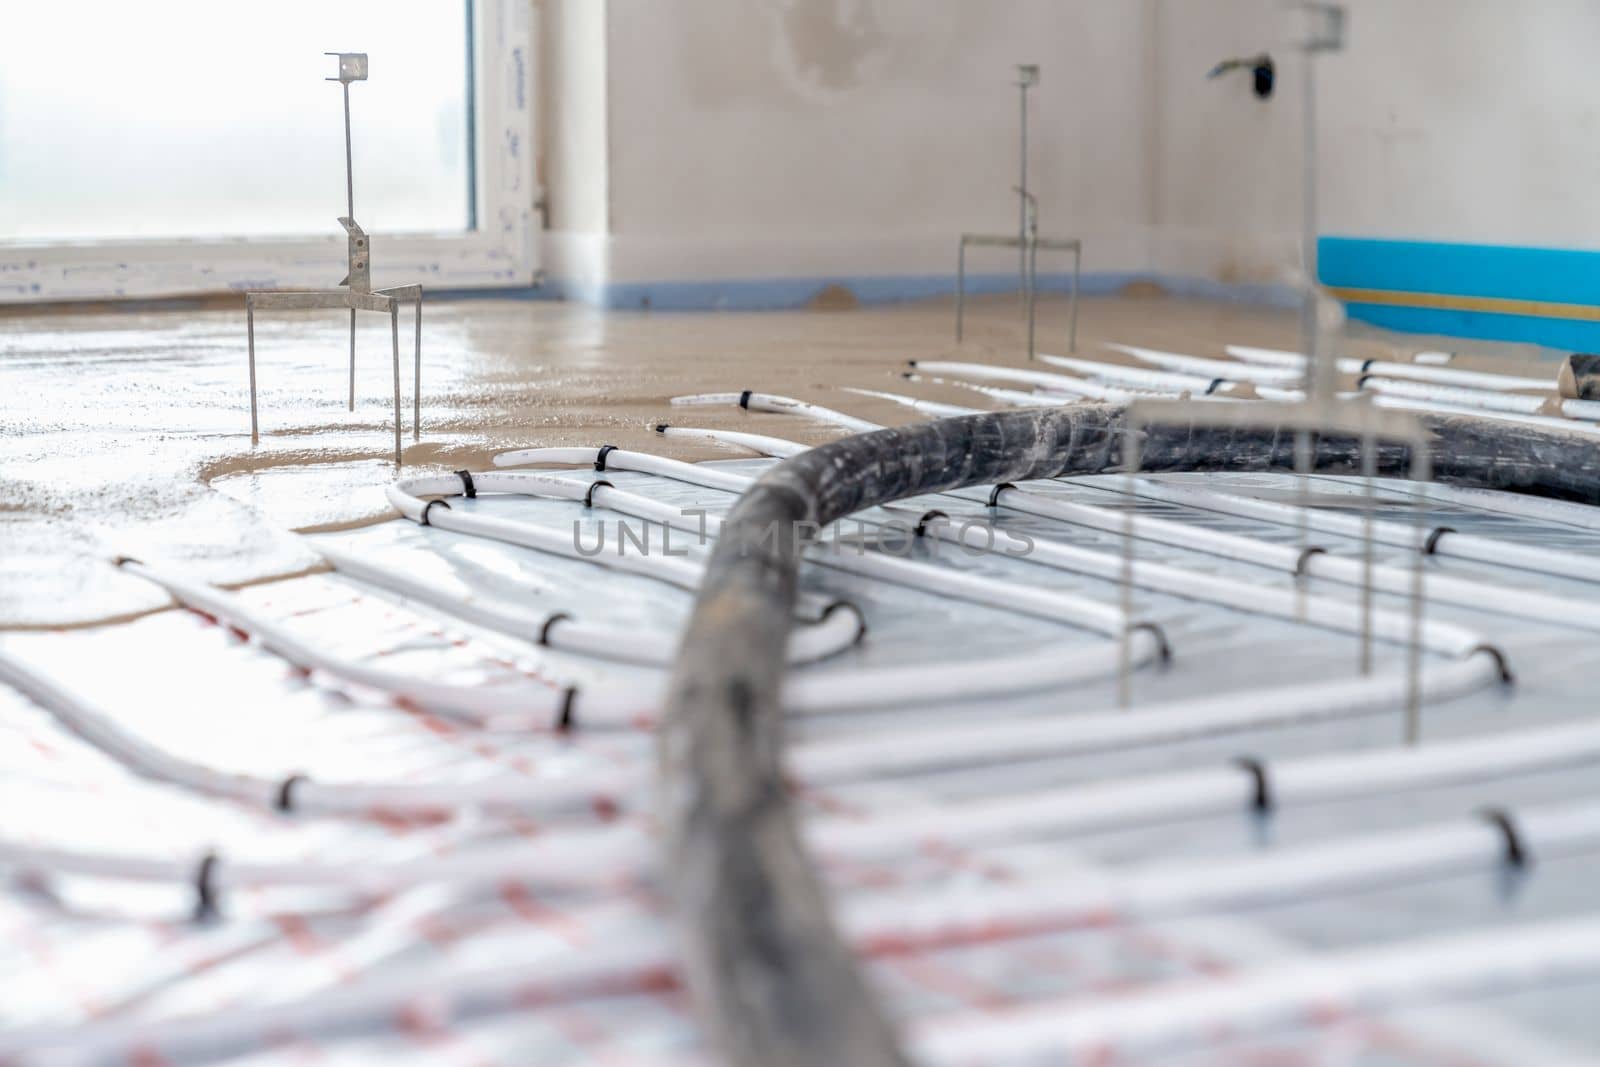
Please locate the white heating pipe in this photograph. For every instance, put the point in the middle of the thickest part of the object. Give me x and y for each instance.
(1057, 606)
(923, 407)
(1182, 1017)
(1518, 403)
(1421, 373)
(1138, 376)
(1077, 611)
(630, 956)
(1517, 505)
(546, 793)
(551, 861)
(823, 761)
(1015, 397)
(1295, 559)
(1285, 603)
(521, 703)
(405, 495)
(1087, 807)
(619, 957)
(1044, 899)
(1213, 368)
(1449, 544)
(828, 636)
(1057, 382)
(755, 442)
(1437, 407)
(781, 405)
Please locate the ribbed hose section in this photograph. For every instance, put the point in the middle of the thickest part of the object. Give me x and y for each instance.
(775, 985)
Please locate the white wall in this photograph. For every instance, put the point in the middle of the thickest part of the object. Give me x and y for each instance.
(769, 139)
(574, 130)
(807, 138)
(1446, 120)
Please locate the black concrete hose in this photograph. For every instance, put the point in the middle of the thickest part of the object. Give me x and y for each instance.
(774, 982)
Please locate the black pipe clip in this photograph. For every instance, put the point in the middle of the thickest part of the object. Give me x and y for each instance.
(600, 456)
(1516, 852)
(1304, 561)
(1262, 801)
(854, 609)
(588, 498)
(544, 631)
(429, 506)
(285, 801)
(1163, 646)
(567, 717)
(466, 484)
(1500, 661)
(205, 890)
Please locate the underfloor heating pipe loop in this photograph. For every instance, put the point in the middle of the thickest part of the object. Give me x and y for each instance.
(773, 980)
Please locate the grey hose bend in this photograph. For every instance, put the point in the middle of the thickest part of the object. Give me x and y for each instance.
(774, 982)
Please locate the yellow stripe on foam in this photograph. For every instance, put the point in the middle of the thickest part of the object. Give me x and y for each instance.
(1494, 305)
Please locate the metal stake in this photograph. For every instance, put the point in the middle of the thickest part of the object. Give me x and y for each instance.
(394, 330)
(1369, 466)
(250, 335)
(961, 285)
(352, 359)
(350, 212)
(1421, 471)
(416, 377)
(1027, 78)
(1132, 459)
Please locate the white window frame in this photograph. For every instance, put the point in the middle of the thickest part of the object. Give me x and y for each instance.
(501, 251)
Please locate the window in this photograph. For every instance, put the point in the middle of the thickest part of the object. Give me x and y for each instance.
(187, 145)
